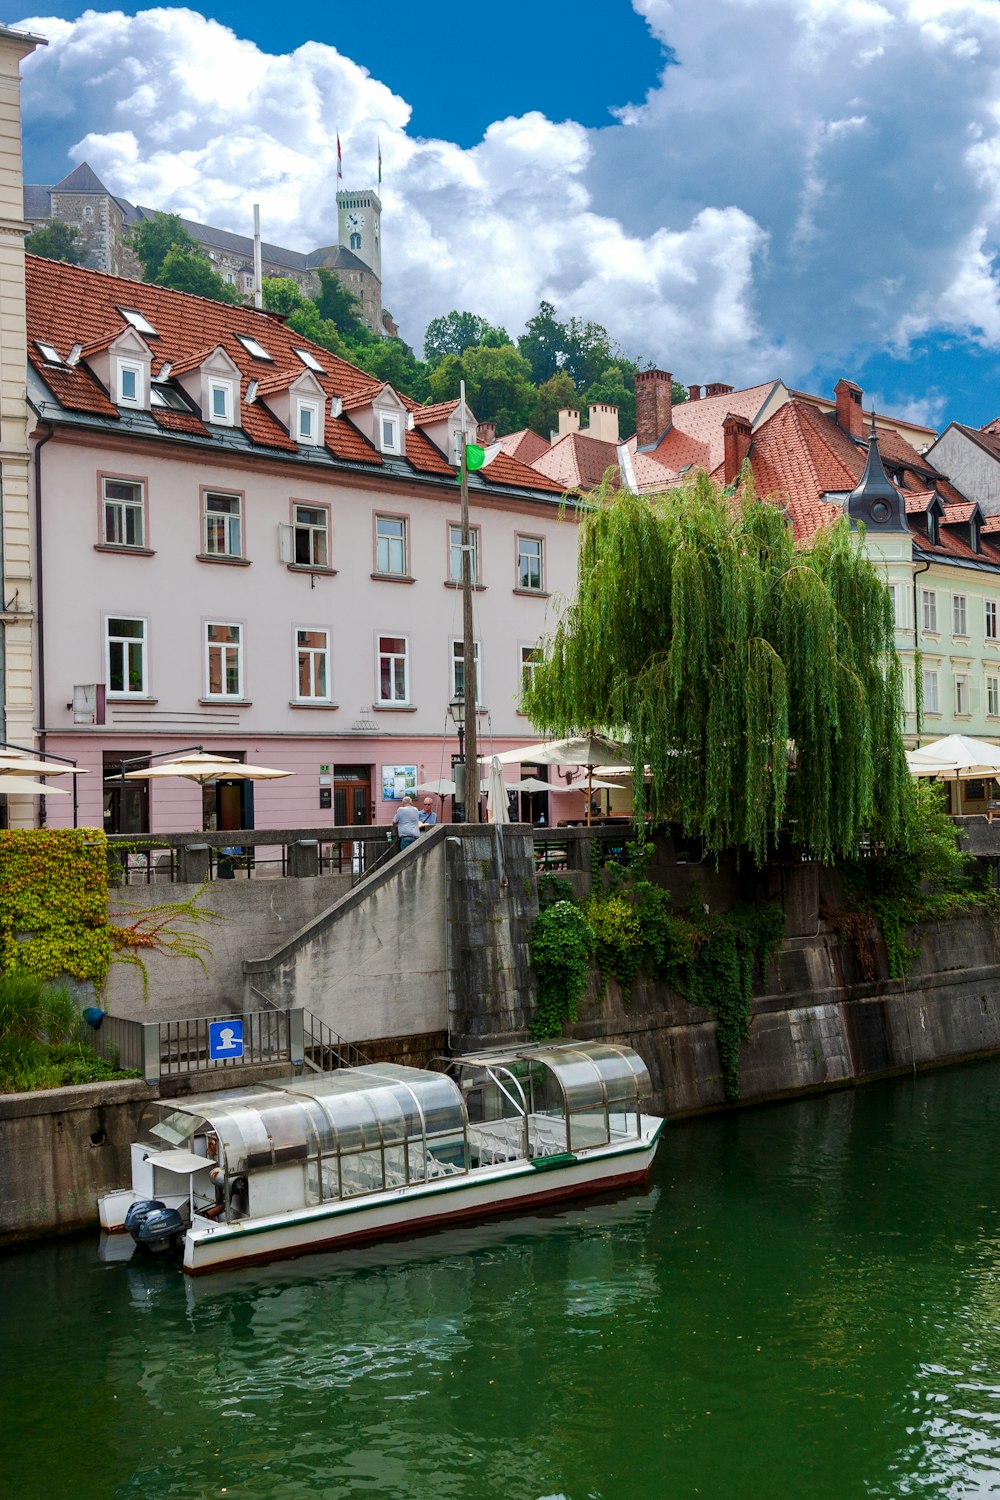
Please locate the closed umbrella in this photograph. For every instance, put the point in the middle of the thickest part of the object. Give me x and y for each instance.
(498, 808)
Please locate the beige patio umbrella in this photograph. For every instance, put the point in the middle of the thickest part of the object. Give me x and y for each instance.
(588, 750)
(12, 764)
(956, 757)
(203, 767)
(22, 786)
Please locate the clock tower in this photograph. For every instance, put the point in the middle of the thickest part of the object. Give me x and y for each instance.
(359, 227)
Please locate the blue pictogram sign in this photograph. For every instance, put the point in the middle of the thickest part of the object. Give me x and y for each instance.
(225, 1039)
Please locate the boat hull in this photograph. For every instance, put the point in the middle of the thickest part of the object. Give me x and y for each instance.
(413, 1210)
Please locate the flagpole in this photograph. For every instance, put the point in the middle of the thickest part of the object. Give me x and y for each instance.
(470, 684)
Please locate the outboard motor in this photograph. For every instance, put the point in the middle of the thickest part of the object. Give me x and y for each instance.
(138, 1214)
(160, 1230)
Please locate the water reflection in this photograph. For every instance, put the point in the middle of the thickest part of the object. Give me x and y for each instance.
(806, 1303)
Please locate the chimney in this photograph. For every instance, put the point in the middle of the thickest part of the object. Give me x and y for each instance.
(569, 421)
(737, 432)
(653, 405)
(849, 414)
(718, 388)
(694, 392)
(604, 423)
(486, 433)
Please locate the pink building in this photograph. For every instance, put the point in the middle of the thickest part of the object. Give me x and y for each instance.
(244, 543)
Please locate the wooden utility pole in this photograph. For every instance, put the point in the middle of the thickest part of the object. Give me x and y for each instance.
(470, 684)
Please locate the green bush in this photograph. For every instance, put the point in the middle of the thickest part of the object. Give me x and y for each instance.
(560, 952)
(38, 1022)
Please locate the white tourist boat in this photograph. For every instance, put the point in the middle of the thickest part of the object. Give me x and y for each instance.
(317, 1162)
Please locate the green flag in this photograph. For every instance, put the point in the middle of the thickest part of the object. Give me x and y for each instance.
(475, 457)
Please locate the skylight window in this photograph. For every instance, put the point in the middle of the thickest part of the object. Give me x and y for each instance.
(254, 348)
(133, 316)
(165, 395)
(309, 360)
(49, 353)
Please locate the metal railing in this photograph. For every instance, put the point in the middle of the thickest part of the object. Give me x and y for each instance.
(324, 1050)
(176, 1049)
(574, 848)
(245, 853)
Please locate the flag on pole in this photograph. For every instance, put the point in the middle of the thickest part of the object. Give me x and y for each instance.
(340, 161)
(379, 161)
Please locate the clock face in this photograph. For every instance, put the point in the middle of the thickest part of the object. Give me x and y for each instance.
(355, 221)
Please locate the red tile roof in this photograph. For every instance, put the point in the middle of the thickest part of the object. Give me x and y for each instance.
(423, 455)
(435, 413)
(178, 421)
(696, 435)
(502, 469)
(577, 461)
(526, 445)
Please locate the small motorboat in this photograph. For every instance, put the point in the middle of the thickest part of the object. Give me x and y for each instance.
(361, 1154)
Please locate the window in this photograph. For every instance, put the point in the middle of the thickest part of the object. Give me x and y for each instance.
(124, 513)
(458, 671)
(962, 696)
(909, 691)
(928, 607)
(456, 447)
(88, 212)
(529, 563)
(165, 395)
(126, 657)
(389, 430)
(309, 360)
(129, 384)
(133, 316)
(223, 525)
(990, 619)
(310, 533)
(223, 660)
(900, 596)
(220, 402)
(390, 545)
(531, 657)
(49, 352)
(355, 242)
(393, 669)
(250, 344)
(455, 553)
(308, 422)
(993, 695)
(959, 615)
(929, 684)
(230, 279)
(312, 664)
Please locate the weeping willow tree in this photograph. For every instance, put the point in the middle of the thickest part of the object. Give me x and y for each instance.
(756, 680)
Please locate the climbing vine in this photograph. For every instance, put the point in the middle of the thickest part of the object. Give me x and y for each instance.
(54, 903)
(560, 952)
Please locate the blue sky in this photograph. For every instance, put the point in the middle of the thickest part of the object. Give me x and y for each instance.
(736, 189)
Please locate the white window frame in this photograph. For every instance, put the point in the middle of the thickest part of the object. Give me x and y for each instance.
(394, 659)
(227, 650)
(311, 530)
(928, 611)
(312, 411)
(309, 360)
(253, 346)
(990, 619)
(960, 614)
(387, 546)
(993, 694)
(458, 670)
(225, 388)
(131, 367)
(122, 508)
(389, 433)
(529, 659)
(125, 644)
(455, 553)
(539, 542)
(909, 691)
(313, 656)
(963, 695)
(231, 527)
(930, 679)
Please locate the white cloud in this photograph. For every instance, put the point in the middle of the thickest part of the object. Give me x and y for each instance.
(811, 179)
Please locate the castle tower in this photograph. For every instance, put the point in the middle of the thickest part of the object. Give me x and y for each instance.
(359, 227)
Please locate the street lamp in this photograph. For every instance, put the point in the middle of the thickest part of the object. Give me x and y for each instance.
(457, 710)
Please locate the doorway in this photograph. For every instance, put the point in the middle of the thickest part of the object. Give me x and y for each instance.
(352, 807)
(535, 805)
(126, 803)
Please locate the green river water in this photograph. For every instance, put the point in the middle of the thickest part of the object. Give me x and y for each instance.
(806, 1302)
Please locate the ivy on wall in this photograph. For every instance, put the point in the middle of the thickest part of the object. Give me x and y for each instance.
(54, 903)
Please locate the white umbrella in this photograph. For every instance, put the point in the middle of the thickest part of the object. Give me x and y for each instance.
(498, 808)
(21, 786)
(592, 785)
(12, 764)
(589, 750)
(534, 784)
(441, 788)
(202, 768)
(956, 757)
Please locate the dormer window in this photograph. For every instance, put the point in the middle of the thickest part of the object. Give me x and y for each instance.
(254, 349)
(308, 422)
(133, 316)
(389, 431)
(130, 391)
(220, 402)
(456, 445)
(932, 526)
(309, 360)
(165, 395)
(49, 353)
